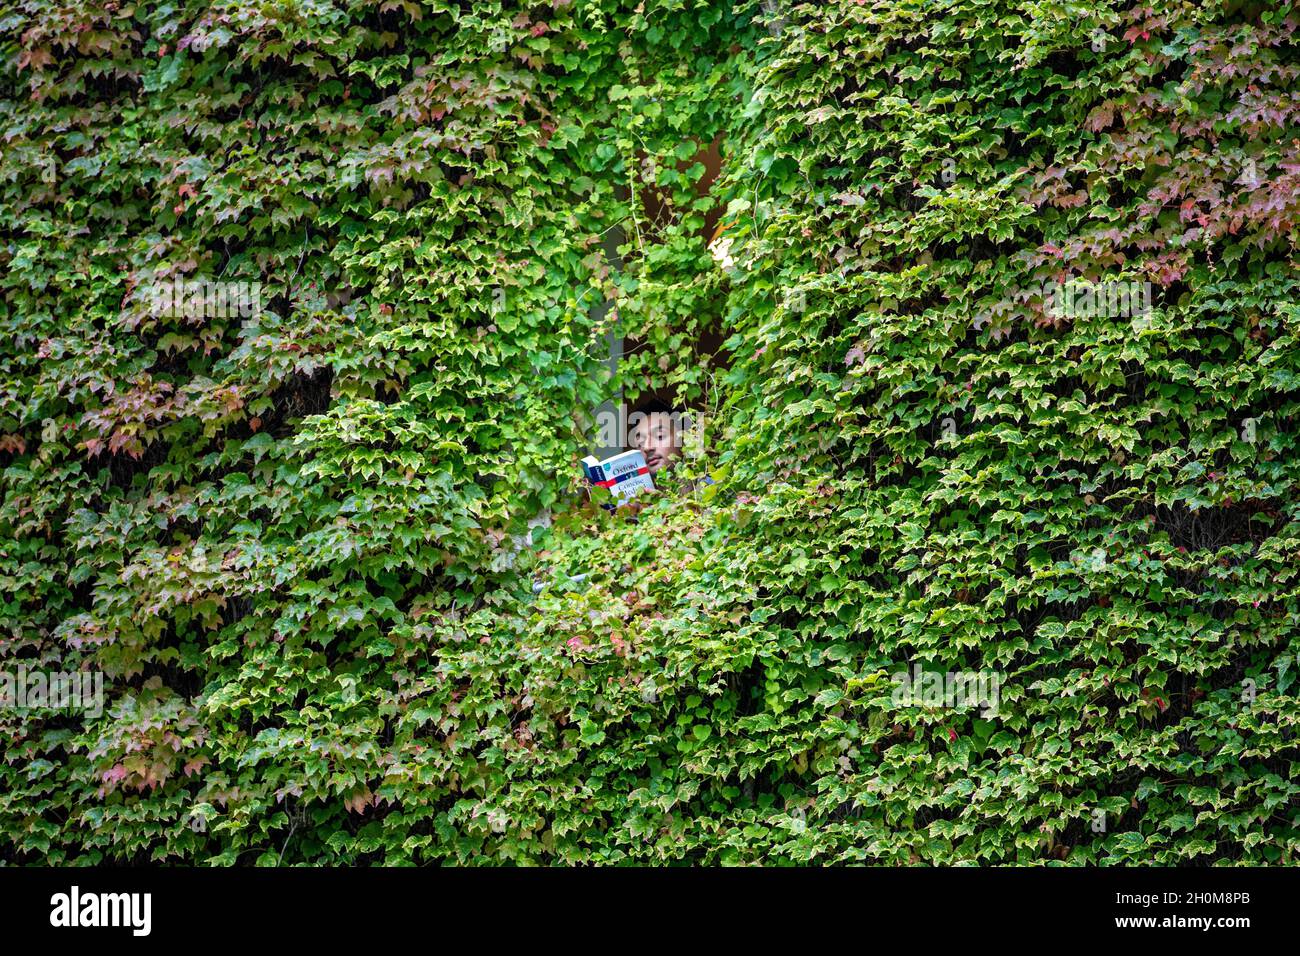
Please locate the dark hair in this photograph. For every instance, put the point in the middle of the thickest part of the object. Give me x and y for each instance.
(650, 406)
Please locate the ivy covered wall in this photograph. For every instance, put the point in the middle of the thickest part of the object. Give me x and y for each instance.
(296, 546)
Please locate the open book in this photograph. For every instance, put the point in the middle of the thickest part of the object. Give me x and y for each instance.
(622, 476)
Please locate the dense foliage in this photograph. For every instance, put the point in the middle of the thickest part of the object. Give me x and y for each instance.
(297, 543)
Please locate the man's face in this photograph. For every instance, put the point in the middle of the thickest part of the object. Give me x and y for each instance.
(655, 436)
